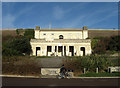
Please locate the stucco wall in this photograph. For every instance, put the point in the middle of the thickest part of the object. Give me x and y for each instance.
(56, 34)
(81, 34)
(77, 46)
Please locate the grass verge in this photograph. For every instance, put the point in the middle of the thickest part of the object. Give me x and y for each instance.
(102, 74)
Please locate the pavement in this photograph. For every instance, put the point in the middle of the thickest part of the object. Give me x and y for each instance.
(52, 82)
(80, 82)
(21, 76)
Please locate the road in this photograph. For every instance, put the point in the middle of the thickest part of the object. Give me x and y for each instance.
(14, 81)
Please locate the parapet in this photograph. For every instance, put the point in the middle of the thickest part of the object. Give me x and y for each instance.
(84, 27)
(37, 28)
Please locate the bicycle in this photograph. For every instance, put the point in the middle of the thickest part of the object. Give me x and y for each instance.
(64, 75)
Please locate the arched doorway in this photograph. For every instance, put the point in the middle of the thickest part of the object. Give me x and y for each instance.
(49, 50)
(37, 51)
(83, 50)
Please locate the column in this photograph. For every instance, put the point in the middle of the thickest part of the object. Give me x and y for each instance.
(63, 50)
(67, 50)
(52, 49)
(46, 50)
(34, 51)
(40, 51)
(57, 50)
(75, 51)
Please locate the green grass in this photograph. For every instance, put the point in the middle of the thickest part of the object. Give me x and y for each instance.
(102, 74)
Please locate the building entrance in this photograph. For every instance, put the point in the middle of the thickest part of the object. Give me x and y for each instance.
(83, 51)
(71, 50)
(37, 51)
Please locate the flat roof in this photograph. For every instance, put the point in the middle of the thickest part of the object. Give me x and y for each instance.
(78, 30)
(61, 41)
(68, 29)
(60, 29)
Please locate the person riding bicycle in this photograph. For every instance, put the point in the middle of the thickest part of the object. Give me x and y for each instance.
(62, 71)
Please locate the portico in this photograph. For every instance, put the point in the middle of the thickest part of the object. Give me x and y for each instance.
(61, 49)
(55, 42)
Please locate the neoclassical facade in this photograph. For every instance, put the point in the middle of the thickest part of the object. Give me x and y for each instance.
(61, 42)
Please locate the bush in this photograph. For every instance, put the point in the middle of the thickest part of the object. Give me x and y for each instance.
(114, 43)
(29, 33)
(101, 45)
(17, 46)
(88, 62)
(20, 66)
(10, 52)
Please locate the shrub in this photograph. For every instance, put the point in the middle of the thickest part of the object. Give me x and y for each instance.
(88, 62)
(10, 52)
(101, 45)
(29, 33)
(20, 66)
(17, 46)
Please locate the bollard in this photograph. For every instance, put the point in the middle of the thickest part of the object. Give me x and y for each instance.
(96, 70)
(84, 70)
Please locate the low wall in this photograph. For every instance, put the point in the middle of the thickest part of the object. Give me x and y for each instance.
(114, 69)
(50, 71)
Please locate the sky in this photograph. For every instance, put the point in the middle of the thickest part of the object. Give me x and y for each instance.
(60, 15)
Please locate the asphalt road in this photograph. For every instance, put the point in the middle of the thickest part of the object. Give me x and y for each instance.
(14, 81)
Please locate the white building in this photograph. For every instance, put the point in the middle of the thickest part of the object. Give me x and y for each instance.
(61, 42)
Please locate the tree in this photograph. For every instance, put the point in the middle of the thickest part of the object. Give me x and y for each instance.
(17, 46)
(29, 33)
(106, 44)
(114, 43)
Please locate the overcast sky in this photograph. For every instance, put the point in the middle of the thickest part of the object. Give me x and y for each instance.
(61, 15)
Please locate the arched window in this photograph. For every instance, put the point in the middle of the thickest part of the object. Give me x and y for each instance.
(61, 37)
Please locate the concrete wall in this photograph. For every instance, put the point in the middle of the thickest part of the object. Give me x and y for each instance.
(50, 71)
(114, 69)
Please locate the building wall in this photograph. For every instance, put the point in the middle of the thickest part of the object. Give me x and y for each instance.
(85, 34)
(37, 34)
(77, 38)
(77, 48)
(56, 34)
(51, 34)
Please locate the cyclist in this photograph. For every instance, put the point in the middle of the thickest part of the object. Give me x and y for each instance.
(62, 71)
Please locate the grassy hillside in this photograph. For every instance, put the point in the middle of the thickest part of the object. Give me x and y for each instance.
(103, 33)
(91, 33)
(6, 32)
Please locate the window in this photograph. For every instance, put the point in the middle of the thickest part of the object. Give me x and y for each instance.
(49, 48)
(52, 34)
(44, 34)
(61, 37)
